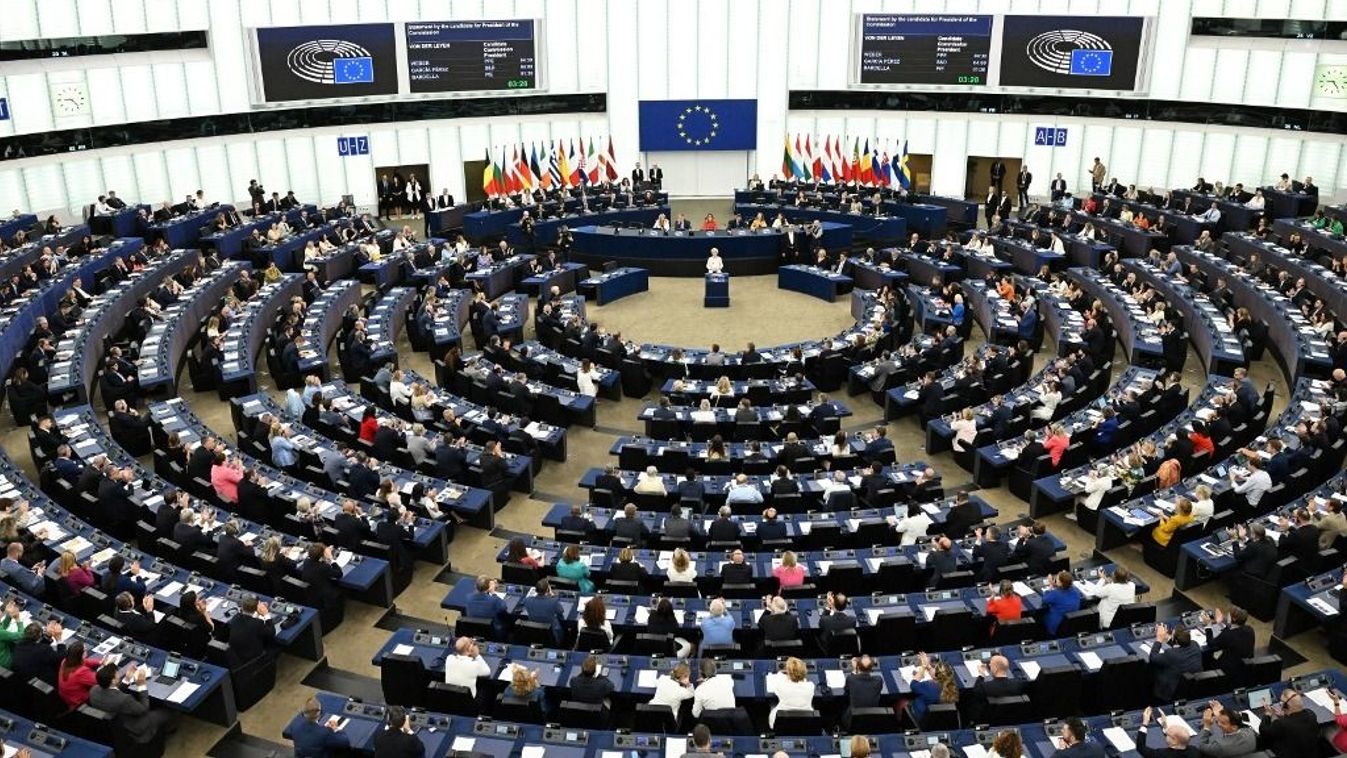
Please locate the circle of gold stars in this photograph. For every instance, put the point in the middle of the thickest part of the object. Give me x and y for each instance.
(682, 125)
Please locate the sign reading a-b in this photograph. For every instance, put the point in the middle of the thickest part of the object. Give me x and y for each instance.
(1050, 136)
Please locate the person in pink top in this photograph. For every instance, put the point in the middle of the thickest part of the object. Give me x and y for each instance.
(76, 577)
(1056, 444)
(790, 573)
(225, 476)
(1339, 718)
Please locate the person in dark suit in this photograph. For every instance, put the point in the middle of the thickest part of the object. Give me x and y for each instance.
(201, 459)
(130, 710)
(493, 468)
(397, 739)
(231, 553)
(39, 652)
(543, 607)
(877, 443)
(862, 688)
(251, 633)
(575, 521)
(396, 529)
(1073, 736)
(350, 525)
(930, 397)
(630, 527)
(317, 740)
(1035, 548)
(992, 552)
(1176, 740)
(1022, 182)
(362, 479)
(137, 620)
(778, 623)
(940, 561)
(736, 571)
(1300, 539)
(834, 617)
(994, 681)
(1230, 640)
(1058, 188)
(724, 528)
(962, 517)
(188, 534)
(451, 457)
(588, 686)
(322, 574)
(998, 173)
(1173, 655)
(1255, 556)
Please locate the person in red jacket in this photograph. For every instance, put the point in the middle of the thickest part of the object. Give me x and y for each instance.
(76, 675)
(1056, 444)
(1201, 440)
(369, 425)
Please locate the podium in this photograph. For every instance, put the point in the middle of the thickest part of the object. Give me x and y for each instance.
(717, 291)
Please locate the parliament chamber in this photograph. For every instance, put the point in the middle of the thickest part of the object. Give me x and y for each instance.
(602, 379)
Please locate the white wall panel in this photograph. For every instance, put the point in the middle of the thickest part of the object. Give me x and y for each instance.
(243, 168)
(1262, 75)
(743, 60)
(137, 93)
(1250, 150)
(1321, 159)
(130, 18)
(29, 103)
(193, 16)
(83, 181)
(1227, 84)
(983, 138)
(1308, 9)
(563, 47)
(299, 157)
(1295, 84)
(119, 175)
(14, 191)
(1199, 69)
(20, 20)
(1125, 154)
(151, 178)
(344, 11)
(802, 51)
(713, 42)
(683, 48)
(273, 166)
(212, 161)
(45, 186)
(285, 13)
(446, 161)
(170, 90)
(58, 18)
(1156, 147)
(650, 58)
(1185, 159)
(1283, 156)
(949, 167)
(184, 177)
(95, 19)
(1217, 156)
(161, 15)
(199, 78)
(314, 12)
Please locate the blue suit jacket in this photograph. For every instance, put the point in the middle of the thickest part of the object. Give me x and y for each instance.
(313, 740)
(546, 610)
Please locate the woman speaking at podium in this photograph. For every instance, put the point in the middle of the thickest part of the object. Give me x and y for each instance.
(715, 264)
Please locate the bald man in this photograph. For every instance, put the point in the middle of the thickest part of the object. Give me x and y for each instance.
(466, 665)
(995, 681)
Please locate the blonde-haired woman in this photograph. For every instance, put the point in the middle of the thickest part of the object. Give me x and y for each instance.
(965, 429)
(681, 568)
(77, 577)
(790, 573)
(724, 389)
(792, 687)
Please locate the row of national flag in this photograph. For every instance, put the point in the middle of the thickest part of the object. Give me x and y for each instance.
(828, 160)
(523, 169)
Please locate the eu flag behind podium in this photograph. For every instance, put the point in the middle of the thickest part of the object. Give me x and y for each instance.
(668, 125)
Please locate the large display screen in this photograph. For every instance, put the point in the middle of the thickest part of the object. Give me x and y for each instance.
(470, 56)
(924, 49)
(1072, 52)
(317, 62)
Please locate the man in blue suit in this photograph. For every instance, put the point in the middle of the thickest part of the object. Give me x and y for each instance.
(313, 739)
(1172, 656)
(1028, 323)
(484, 604)
(878, 443)
(543, 607)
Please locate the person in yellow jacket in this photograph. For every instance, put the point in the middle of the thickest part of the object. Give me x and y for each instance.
(1183, 516)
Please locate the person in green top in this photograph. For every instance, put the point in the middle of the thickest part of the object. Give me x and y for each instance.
(573, 567)
(1320, 220)
(1335, 226)
(11, 631)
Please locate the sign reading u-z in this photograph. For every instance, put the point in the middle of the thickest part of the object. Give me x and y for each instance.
(347, 146)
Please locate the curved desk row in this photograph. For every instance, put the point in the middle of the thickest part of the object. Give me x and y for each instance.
(877, 229)
(856, 529)
(79, 354)
(244, 338)
(1298, 348)
(230, 242)
(321, 321)
(501, 277)
(545, 231)
(1218, 346)
(168, 338)
(551, 384)
(1323, 283)
(10, 227)
(185, 230)
(994, 460)
(685, 253)
(165, 581)
(471, 417)
(1140, 339)
(21, 314)
(14, 261)
(1056, 492)
(385, 321)
(482, 224)
(787, 389)
(315, 445)
(615, 284)
(1135, 517)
